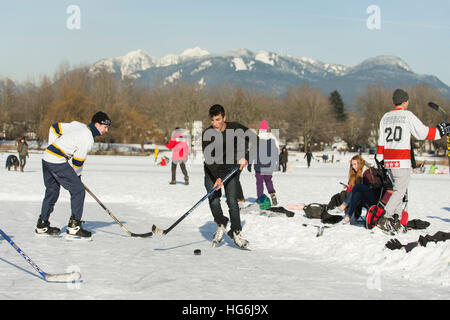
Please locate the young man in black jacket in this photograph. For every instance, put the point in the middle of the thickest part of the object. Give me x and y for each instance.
(225, 145)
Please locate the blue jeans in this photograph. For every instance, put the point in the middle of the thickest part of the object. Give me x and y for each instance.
(359, 194)
(231, 192)
(55, 176)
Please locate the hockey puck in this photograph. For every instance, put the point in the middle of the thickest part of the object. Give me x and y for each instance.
(197, 252)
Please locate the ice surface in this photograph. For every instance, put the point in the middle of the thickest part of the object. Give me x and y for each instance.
(287, 260)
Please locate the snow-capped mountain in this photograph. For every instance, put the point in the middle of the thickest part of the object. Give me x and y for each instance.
(266, 71)
(381, 61)
(134, 62)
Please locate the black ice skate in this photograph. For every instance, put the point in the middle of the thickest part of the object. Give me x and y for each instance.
(389, 226)
(43, 228)
(76, 232)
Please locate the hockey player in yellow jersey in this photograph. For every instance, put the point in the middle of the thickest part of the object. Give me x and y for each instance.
(62, 165)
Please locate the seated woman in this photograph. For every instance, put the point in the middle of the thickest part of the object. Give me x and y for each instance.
(361, 190)
(355, 174)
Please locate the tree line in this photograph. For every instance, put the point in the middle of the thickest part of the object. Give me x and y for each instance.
(140, 114)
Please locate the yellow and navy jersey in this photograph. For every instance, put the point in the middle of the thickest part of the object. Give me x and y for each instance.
(69, 141)
(56, 129)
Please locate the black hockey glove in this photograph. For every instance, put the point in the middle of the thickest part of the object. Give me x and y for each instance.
(394, 244)
(411, 245)
(444, 128)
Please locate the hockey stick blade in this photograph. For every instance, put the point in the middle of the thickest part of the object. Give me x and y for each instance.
(434, 106)
(314, 225)
(320, 229)
(63, 277)
(60, 277)
(158, 231)
(138, 235)
(141, 235)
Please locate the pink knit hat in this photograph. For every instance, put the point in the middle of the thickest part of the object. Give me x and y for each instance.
(264, 125)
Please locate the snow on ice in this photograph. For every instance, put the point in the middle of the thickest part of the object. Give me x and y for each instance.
(287, 260)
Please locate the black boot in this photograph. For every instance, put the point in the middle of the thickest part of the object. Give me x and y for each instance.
(43, 228)
(74, 228)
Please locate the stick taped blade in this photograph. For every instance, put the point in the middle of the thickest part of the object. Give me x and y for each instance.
(433, 105)
(157, 230)
(63, 277)
(142, 235)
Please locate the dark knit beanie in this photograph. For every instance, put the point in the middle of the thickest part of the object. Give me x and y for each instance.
(399, 97)
(102, 118)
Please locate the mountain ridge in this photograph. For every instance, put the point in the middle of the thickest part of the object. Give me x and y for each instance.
(266, 71)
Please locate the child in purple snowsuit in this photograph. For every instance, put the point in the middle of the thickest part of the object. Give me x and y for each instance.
(266, 161)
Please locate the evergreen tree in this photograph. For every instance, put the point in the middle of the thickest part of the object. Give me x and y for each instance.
(338, 105)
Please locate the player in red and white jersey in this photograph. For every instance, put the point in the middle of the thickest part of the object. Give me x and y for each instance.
(396, 128)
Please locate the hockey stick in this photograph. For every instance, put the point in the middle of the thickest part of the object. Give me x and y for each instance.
(434, 106)
(141, 235)
(157, 230)
(320, 229)
(56, 277)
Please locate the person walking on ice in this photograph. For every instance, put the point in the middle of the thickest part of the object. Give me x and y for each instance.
(283, 159)
(308, 157)
(22, 149)
(180, 151)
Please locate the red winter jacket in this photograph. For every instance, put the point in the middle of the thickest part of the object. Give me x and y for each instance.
(180, 147)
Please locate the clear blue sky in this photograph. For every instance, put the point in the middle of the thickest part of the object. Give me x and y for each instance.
(35, 40)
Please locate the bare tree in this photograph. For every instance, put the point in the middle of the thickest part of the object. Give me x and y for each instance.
(310, 114)
(374, 102)
(73, 105)
(353, 129)
(104, 89)
(134, 127)
(140, 113)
